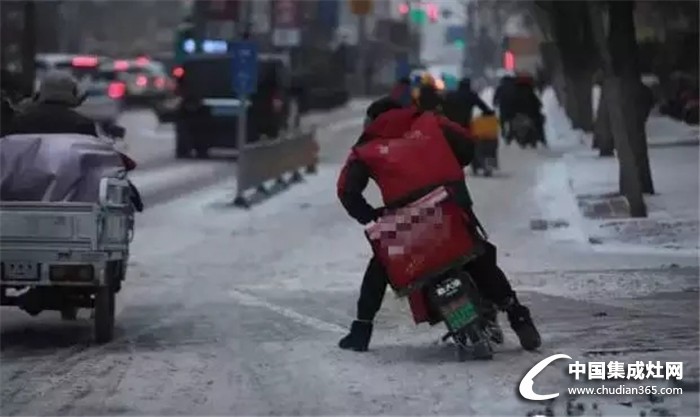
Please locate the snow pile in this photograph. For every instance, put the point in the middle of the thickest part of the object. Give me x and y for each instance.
(558, 127)
(672, 222)
(662, 130)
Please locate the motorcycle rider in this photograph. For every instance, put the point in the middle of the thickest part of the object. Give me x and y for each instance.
(10, 94)
(402, 92)
(503, 99)
(400, 96)
(393, 121)
(526, 101)
(51, 111)
(460, 104)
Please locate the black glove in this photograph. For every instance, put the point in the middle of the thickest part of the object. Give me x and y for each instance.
(371, 216)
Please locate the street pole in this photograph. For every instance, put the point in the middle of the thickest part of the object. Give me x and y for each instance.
(242, 122)
(362, 52)
(243, 111)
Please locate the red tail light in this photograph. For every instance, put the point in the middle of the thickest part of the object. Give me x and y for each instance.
(160, 83)
(121, 65)
(142, 61)
(116, 90)
(509, 61)
(84, 61)
(178, 72)
(141, 80)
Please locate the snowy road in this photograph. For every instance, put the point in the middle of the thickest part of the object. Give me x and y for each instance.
(226, 312)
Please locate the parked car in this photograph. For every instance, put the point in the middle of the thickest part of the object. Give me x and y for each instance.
(105, 93)
(147, 81)
(207, 110)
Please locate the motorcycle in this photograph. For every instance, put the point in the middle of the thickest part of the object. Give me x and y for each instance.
(485, 129)
(435, 282)
(522, 128)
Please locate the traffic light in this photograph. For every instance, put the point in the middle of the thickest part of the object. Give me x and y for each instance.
(433, 12)
(459, 43)
(418, 16)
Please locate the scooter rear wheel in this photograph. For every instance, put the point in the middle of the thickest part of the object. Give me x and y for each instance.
(480, 348)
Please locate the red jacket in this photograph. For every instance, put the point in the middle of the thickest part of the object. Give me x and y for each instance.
(407, 153)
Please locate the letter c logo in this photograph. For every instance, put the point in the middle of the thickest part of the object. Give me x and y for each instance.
(528, 380)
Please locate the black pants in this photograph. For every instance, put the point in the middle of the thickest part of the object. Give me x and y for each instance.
(488, 277)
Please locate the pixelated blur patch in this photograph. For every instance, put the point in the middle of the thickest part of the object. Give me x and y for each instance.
(415, 241)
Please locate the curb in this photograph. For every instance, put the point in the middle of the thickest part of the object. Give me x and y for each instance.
(679, 143)
(582, 223)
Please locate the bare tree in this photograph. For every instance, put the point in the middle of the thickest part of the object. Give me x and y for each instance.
(569, 25)
(621, 87)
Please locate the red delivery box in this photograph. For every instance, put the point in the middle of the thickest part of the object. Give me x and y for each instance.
(419, 241)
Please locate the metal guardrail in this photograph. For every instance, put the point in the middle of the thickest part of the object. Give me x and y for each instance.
(270, 160)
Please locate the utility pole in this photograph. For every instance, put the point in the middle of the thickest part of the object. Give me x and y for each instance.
(362, 53)
(361, 8)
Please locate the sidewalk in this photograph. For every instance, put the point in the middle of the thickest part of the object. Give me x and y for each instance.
(672, 222)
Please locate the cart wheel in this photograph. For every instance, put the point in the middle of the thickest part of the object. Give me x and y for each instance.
(69, 313)
(104, 314)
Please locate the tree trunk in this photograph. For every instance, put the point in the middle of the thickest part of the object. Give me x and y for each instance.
(602, 135)
(580, 83)
(621, 117)
(625, 62)
(570, 26)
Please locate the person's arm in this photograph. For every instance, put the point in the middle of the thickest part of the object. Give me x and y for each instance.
(485, 109)
(352, 182)
(497, 96)
(460, 140)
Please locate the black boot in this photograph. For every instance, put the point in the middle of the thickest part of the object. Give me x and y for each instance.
(358, 338)
(521, 323)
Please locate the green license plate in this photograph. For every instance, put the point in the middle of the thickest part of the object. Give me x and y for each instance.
(462, 316)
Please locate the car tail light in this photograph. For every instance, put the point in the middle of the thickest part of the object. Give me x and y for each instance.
(116, 90)
(84, 61)
(121, 65)
(178, 72)
(141, 80)
(142, 61)
(160, 83)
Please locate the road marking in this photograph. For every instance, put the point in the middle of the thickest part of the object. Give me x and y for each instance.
(252, 301)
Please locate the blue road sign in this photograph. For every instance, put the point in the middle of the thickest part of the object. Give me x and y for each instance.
(245, 67)
(455, 33)
(328, 11)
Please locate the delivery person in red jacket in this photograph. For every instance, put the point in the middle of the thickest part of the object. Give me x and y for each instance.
(403, 181)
